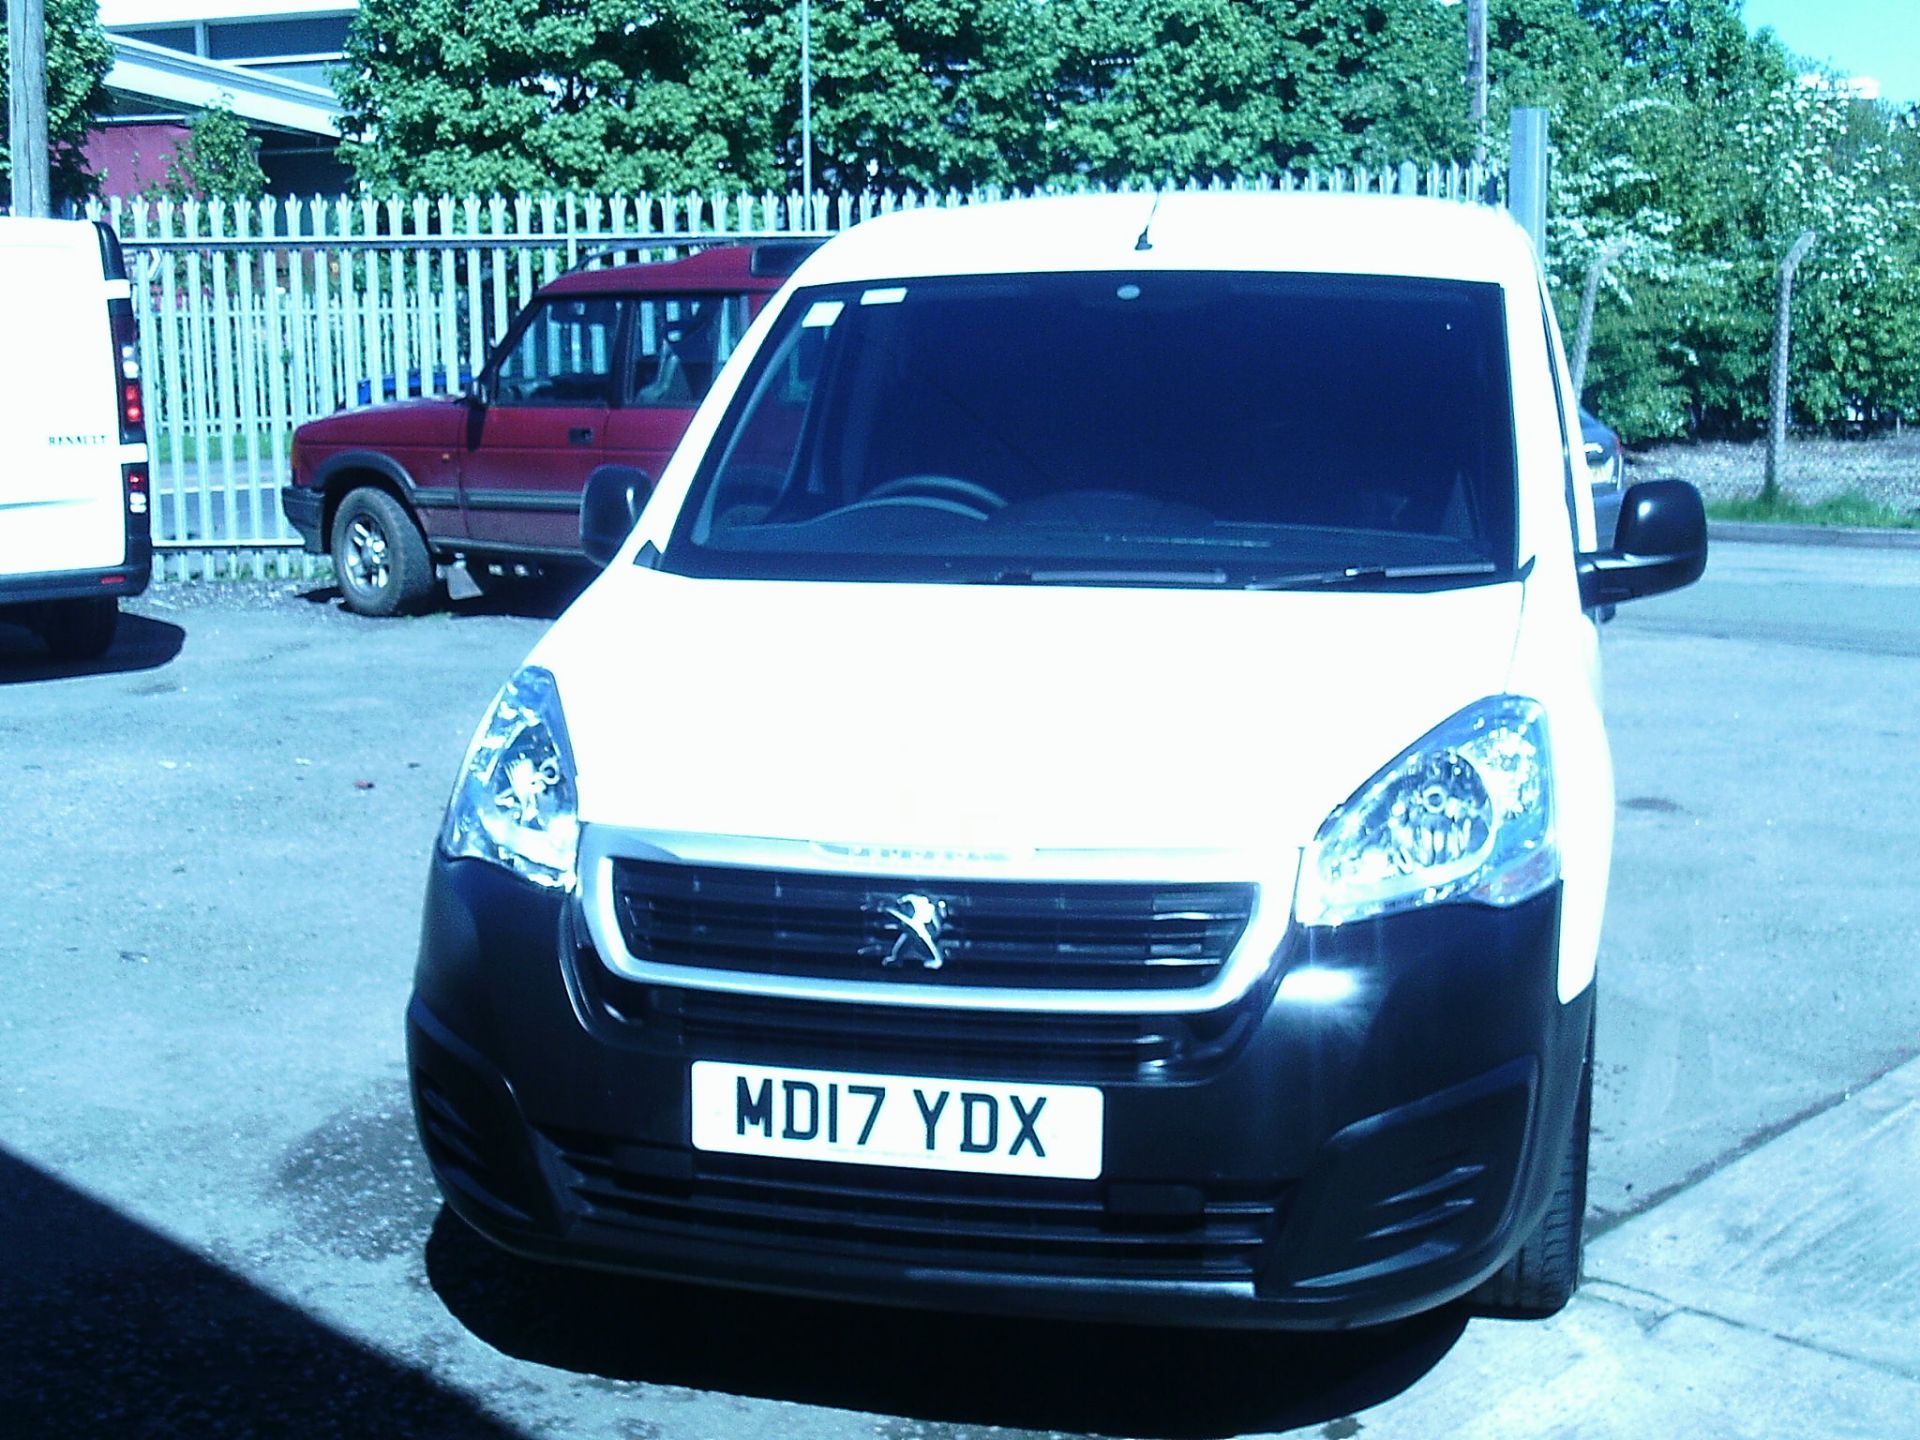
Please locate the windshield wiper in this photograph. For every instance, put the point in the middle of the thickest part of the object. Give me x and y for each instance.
(1366, 574)
(1105, 577)
(1302, 580)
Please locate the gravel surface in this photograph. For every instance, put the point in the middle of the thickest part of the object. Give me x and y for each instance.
(1886, 468)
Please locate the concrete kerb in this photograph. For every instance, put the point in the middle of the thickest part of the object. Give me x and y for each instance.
(1796, 1237)
(1764, 532)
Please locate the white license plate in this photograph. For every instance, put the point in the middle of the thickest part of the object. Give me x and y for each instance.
(974, 1126)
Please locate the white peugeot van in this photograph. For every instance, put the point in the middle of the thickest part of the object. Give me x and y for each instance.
(75, 532)
(1084, 791)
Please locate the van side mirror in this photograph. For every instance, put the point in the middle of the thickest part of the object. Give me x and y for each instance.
(609, 506)
(1660, 544)
(478, 393)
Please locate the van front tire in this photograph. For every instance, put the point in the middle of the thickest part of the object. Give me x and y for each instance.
(379, 555)
(1541, 1277)
(79, 629)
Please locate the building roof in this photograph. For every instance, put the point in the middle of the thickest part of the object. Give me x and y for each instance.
(120, 14)
(176, 79)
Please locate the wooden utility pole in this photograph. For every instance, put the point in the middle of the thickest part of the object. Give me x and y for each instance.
(27, 106)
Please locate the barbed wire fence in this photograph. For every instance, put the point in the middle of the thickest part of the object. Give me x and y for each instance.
(1864, 466)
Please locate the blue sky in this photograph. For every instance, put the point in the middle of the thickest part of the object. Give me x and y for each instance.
(1880, 38)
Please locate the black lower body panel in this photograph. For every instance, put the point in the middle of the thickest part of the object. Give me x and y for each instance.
(1316, 1155)
(115, 582)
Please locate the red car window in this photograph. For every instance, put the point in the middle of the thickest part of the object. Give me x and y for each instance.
(679, 345)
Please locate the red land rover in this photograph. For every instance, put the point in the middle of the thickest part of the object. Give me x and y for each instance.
(604, 367)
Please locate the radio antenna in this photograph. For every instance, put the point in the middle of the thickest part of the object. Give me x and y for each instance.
(1144, 242)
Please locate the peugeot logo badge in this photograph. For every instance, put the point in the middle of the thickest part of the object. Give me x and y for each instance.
(915, 922)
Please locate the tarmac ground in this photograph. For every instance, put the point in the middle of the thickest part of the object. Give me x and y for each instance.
(218, 1222)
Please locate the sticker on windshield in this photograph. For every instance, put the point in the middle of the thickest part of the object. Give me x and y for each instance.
(886, 295)
(822, 314)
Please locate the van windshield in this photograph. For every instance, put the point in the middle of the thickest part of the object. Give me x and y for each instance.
(1184, 428)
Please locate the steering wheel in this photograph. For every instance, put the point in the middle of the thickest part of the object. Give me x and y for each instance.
(918, 502)
(976, 498)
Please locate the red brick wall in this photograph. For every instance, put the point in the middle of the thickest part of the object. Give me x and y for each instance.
(129, 158)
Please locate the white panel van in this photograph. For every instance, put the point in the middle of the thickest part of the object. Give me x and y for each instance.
(75, 532)
(1083, 793)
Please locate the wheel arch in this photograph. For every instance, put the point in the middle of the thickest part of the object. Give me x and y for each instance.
(351, 470)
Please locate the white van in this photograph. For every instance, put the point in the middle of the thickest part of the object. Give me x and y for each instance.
(1083, 793)
(75, 532)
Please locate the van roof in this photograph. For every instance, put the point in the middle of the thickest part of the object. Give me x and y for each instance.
(28, 230)
(1338, 234)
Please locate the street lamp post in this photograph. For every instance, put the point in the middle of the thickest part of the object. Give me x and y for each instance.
(806, 106)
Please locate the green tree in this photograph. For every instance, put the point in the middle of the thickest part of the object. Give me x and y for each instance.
(1204, 89)
(1160, 91)
(459, 96)
(78, 58)
(908, 93)
(537, 94)
(1686, 150)
(1700, 45)
(1857, 308)
(1711, 157)
(219, 161)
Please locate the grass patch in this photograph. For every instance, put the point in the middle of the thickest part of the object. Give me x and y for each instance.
(214, 449)
(1851, 508)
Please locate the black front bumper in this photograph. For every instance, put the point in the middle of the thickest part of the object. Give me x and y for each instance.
(1294, 1161)
(305, 510)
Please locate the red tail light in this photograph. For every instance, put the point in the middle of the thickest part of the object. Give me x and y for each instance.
(126, 345)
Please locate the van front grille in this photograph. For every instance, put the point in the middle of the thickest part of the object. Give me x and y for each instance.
(1046, 935)
(1063, 1228)
(1065, 1046)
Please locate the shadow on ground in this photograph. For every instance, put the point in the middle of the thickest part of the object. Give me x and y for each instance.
(138, 644)
(538, 597)
(111, 1330)
(962, 1369)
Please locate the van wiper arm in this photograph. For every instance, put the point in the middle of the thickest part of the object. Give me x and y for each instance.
(1365, 574)
(1105, 577)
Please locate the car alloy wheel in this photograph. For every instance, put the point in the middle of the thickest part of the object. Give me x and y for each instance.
(366, 557)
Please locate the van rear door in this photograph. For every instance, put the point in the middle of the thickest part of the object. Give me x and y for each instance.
(62, 503)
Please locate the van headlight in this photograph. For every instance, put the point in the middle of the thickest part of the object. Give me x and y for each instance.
(1464, 813)
(515, 802)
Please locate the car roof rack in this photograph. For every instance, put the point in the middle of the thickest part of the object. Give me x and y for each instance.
(772, 254)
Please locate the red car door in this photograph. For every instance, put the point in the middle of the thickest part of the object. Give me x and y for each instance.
(678, 345)
(530, 449)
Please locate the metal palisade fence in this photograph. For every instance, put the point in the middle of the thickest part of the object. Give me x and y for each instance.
(257, 317)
